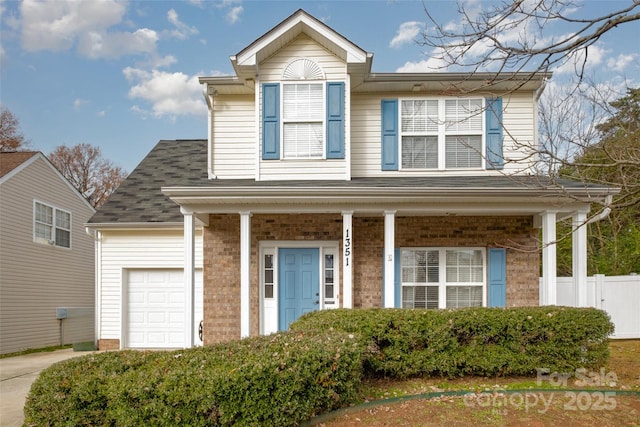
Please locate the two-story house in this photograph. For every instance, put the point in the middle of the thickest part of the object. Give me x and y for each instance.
(323, 184)
(46, 257)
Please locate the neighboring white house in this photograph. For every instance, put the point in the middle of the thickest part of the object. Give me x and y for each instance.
(322, 184)
(46, 257)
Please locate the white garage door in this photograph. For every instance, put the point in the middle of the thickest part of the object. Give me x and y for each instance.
(156, 303)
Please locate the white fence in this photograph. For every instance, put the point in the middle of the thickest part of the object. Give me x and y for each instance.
(619, 296)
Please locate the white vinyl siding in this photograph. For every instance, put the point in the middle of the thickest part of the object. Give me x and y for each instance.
(37, 278)
(234, 137)
(518, 117)
(139, 249)
(303, 46)
(442, 277)
(271, 70)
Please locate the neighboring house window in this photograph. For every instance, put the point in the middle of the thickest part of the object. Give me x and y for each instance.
(303, 120)
(442, 277)
(441, 133)
(52, 225)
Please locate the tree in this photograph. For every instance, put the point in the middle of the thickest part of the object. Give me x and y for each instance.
(614, 160)
(11, 139)
(91, 174)
(509, 37)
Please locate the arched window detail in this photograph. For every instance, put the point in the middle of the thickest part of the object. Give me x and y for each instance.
(303, 69)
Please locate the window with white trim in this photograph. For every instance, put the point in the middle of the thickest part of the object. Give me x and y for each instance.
(303, 120)
(268, 272)
(442, 133)
(329, 277)
(442, 277)
(51, 225)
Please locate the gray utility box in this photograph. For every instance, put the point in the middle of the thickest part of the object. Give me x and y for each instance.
(61, 313)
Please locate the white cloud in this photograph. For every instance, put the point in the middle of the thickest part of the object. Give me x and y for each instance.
(62, 24)
(622, 62)
(95, 44)
(583, 58)
(57, 24)
(182, 30)
(78, 103)
(407, 33)
(234, 14)
(430, 65)
(170, 94)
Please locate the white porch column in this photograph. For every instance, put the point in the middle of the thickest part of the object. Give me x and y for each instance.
(549, 291)
(579, 258)
(189, 276)
(347, 259)
(388, 297)
(245, 274)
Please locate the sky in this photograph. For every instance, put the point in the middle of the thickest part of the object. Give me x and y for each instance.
(122, 75)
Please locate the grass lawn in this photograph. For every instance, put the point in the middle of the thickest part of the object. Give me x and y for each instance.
(608, 397)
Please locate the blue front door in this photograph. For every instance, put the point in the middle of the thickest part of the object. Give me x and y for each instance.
(299, 284)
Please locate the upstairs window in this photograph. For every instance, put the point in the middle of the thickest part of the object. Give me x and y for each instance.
(51, 225)
(437, 134)
(303, 115)
(303, 120)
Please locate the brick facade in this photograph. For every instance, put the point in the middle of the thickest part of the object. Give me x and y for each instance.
(222, 256)
(108, 344)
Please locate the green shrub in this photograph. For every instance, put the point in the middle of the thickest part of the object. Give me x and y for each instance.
(477, 341)
(280, 379)
(286, 378)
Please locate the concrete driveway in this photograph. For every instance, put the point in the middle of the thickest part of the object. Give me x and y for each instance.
(16, 376)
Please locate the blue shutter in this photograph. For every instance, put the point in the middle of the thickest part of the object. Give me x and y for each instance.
(389, 134)
(335, 120)
(270, 121)
(495, 159)
(497, 277)
(397, 284)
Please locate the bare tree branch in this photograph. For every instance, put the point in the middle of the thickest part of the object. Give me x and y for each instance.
(91, 174)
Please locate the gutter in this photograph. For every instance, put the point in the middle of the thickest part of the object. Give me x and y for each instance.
(358, 192)
(133, 225)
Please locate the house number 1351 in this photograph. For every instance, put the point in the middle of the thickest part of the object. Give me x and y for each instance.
(347, 247)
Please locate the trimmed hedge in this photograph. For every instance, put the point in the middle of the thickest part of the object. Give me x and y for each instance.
(287, 378)
(404, 343)
(280, 379)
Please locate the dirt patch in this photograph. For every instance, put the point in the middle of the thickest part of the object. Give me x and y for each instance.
(607, 397)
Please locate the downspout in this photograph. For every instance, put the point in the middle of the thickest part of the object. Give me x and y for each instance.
(605, 212)
(97, 268)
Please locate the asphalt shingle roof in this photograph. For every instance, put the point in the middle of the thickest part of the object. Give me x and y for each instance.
(139, 199)
(11, 160)
(183, 163)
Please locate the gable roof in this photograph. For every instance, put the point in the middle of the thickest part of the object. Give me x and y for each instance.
(9, 161)
(247, 60)
(358, 61)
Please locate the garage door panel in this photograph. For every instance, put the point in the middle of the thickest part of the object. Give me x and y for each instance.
(156, 304)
